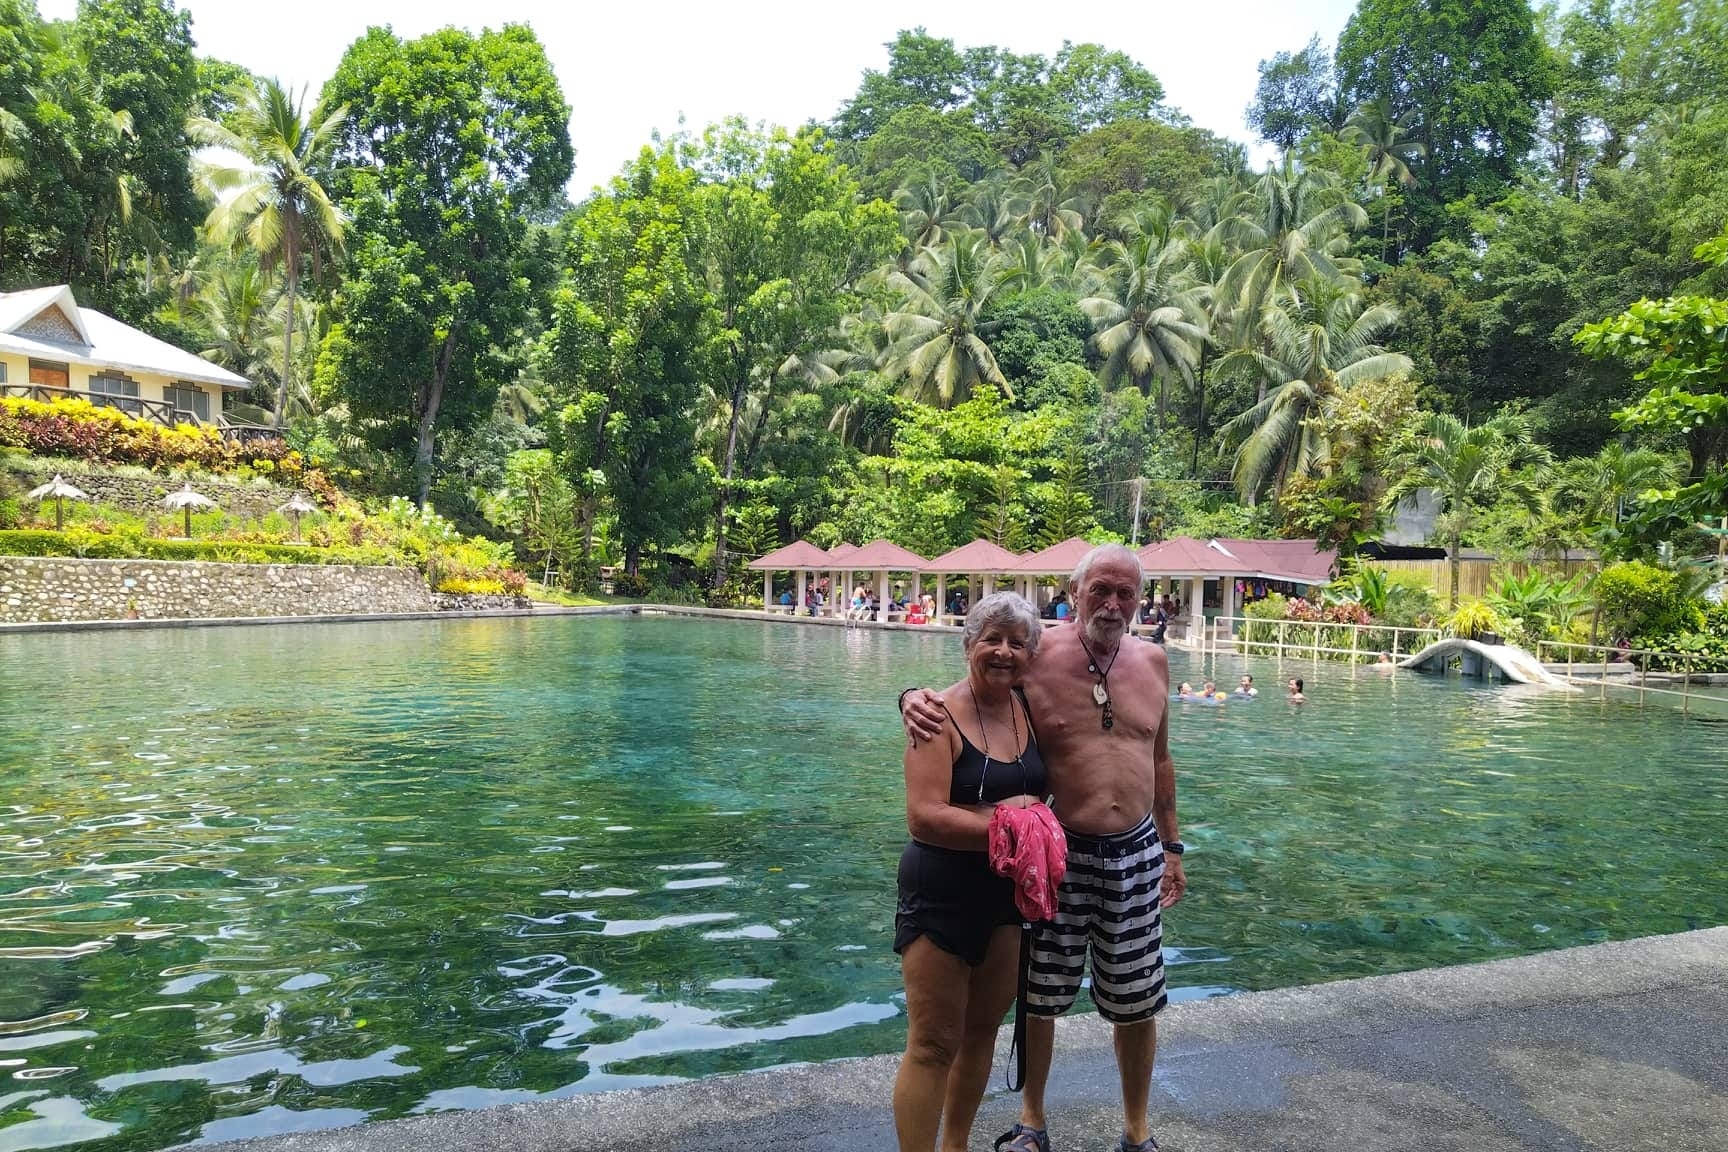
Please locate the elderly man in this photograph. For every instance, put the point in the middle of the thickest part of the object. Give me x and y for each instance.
(1100, 704)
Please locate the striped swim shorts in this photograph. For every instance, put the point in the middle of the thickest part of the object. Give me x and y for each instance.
(1108, 904)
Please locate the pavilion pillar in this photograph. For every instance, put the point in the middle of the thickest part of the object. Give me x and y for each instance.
(882, 596)
(989, 585)
(1196, 609)
(941, 596)
(798, 603)
(767, 591)
(917, 588)
(1232, 604)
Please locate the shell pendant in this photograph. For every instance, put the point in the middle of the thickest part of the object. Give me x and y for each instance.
(1100, 695)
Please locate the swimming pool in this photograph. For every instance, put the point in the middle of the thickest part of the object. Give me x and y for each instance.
(256, 880)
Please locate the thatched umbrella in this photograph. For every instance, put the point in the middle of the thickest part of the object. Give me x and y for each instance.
(60, 491)
(186, 499)
(298, 507)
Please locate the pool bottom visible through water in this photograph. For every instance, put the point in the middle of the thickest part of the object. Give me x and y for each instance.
(255, 881)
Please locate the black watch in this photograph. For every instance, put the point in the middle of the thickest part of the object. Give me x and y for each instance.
(1175, 847)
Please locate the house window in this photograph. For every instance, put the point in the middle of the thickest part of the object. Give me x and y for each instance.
(2, 371)
(189, 403)
(112, 390)
(49, 374)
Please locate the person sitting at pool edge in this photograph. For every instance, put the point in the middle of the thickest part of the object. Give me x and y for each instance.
(956, 925)
(1295, 687)
(1245, 687)
(1100, 700)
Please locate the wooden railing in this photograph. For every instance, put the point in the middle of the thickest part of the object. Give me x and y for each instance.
(157, 411)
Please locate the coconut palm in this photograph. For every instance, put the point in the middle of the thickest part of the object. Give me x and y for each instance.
(992, 209)
(1297, 226)
(1147, 319)
(1049, 208)
(927, 211)
(1469, 468)
(1390, 151)
(1319, 339)
(938, 351)
(236, 311)
(276, 204)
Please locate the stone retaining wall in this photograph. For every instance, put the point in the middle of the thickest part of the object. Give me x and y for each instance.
(37, 589)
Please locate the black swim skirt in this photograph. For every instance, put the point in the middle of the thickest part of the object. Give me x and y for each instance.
(953, 898)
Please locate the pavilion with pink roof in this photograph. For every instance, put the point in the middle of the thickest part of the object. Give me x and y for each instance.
(1185, 560)
(980, 562)
(801, 558)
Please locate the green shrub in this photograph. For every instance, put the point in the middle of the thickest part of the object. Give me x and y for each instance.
(1639, 600)
(631, 584)
(463, 586)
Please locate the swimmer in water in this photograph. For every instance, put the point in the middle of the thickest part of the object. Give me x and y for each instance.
(1245, 687)
(1185, 691)
(1295, 687)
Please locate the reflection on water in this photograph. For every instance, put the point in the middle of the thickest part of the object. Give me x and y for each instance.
(272, 880)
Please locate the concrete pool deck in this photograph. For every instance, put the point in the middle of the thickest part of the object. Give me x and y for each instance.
(1611, 1046)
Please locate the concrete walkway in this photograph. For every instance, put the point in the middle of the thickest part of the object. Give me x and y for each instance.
(1615, 1046)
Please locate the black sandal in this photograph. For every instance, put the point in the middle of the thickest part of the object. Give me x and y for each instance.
(1147, 1145)
(1021, 1138)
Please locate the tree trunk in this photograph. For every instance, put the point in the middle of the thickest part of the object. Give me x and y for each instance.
(632, 558)
(287, 345)
(432, 397)
(738, 390)
(1199, 417)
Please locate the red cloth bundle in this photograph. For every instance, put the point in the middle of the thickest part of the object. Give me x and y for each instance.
(1027, 846)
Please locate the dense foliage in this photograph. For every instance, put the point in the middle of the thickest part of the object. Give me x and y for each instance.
(1018, 296)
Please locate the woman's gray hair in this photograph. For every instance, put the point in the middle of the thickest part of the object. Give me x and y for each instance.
(1005, 608)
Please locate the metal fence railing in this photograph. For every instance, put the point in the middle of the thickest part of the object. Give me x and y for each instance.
(1314, 639)
(1639, 672)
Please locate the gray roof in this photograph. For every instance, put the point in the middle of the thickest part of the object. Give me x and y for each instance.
(98, 340)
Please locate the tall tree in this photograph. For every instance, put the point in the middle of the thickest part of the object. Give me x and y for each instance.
(784, 237)
(1297, 94)
(1470, 74)
(630, 328)
(453, 139)
(277, 205)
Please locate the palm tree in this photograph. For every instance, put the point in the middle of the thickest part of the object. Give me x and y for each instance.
(1390, 151)
(927, 211)
(937, 347)
(1297, 226)
(277, 204)
(235, 313)
(1616, 474)
(992, 209)
(1469, 468)
(1049, 208)
(1146, 316)
(1321, 339)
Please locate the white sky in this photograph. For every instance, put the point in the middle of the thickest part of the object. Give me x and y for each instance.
(628, 69)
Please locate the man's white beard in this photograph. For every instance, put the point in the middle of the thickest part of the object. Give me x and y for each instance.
(1104, 633)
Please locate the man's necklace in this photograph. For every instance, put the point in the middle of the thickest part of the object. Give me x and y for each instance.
(1101, 690)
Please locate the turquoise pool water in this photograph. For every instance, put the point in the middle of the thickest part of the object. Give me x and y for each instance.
(259, 880)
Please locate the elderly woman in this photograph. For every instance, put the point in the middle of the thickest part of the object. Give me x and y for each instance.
(957, 929)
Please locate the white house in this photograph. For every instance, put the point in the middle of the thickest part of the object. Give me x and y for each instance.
(51, 348)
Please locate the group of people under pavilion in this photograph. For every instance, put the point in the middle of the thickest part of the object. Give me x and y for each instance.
(1195, 578)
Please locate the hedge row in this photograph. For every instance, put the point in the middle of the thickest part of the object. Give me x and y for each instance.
(129, 546)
